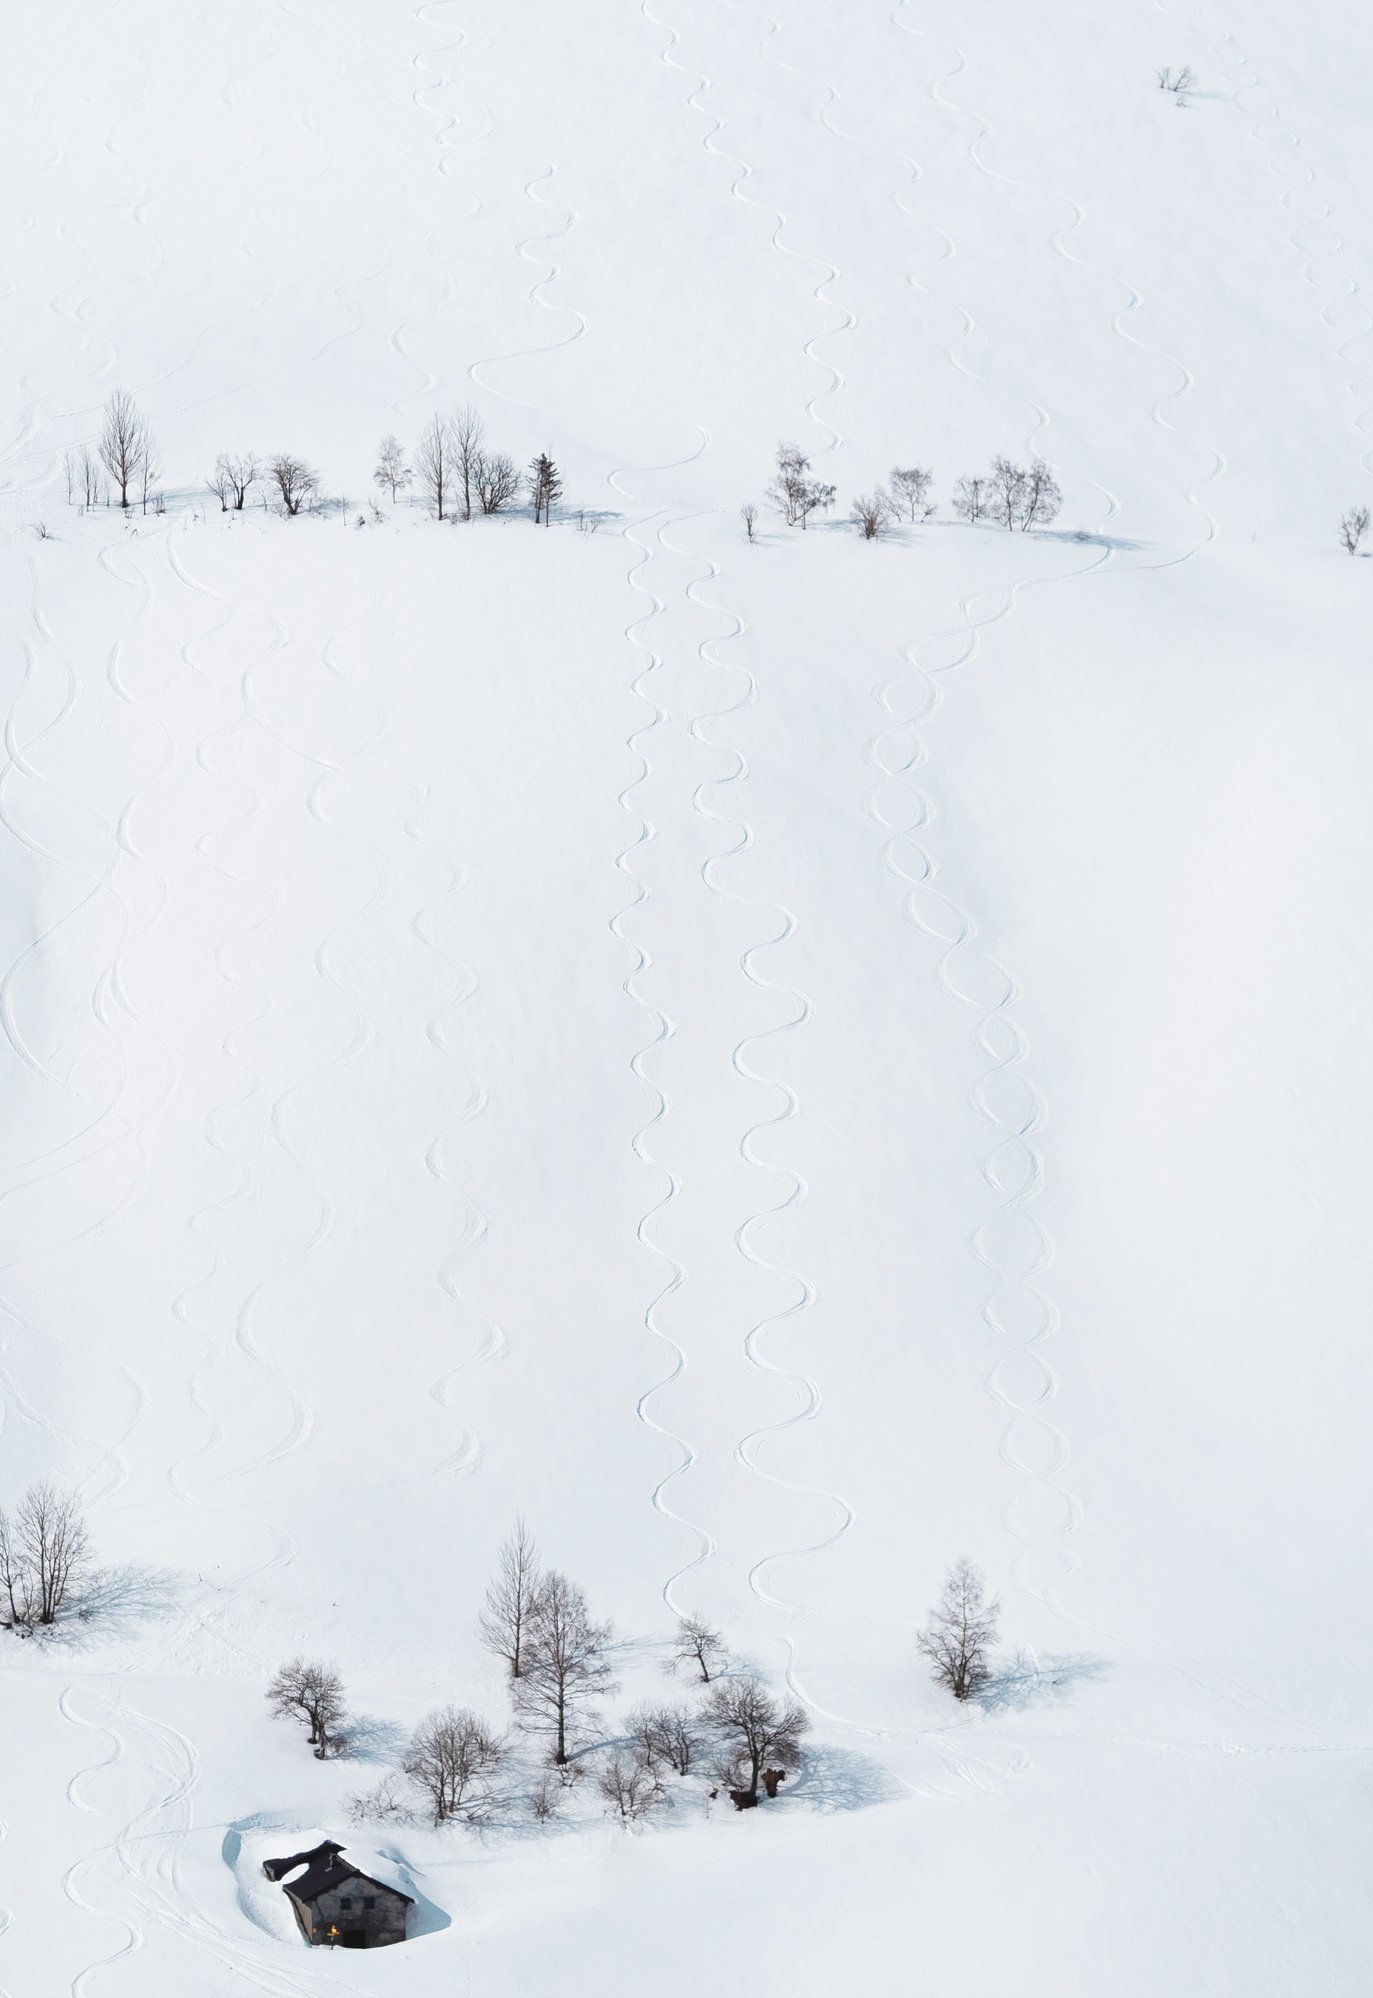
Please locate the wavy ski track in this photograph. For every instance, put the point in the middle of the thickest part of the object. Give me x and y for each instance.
(674, 1274)
(113, 1126)
(1283, 150)
(435, 81)
(474, 1227)
(781, 923)
(744, 172)
(527, 250)
(1133, 301)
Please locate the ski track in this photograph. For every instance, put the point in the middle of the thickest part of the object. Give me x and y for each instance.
(662, 1029)
(782, 925)
(744, 172)
(492, 1343)
(805, 1390)
(1283, 148)
(527, 250)
(1010, 1242)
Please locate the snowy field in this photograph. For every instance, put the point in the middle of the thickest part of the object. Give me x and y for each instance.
(787, 1064)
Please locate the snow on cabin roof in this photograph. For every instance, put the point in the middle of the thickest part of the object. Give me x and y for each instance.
(323, 1867)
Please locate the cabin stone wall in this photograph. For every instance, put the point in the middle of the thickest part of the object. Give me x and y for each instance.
(359, 1908)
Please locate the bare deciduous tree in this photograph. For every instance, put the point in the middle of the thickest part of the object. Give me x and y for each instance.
(392, 473)
(19, 1610)
(496, 480)
(971, 499)
(386, 1803)
(469, 433)
(564, 1665)
(239, 470)
(1006, 492)
(510, 1598)
(632, 1790)
(124, 439)
(1178, 81)
(545, 1800)
(44, 1556)
(752, 1728)
(149, 472)
(664, 1734)
(220, 484)
(434, 462)
(748, 513)
(296, 482)
(962, 1628)
(871, 513)
(1041, 498)
(699, 1646)
(910, 486)
(308, 1690)
(1353, 528)
(545, 487)
(794, 493)
(452, 1758)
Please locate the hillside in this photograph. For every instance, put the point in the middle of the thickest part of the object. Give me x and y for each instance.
(784, 1063)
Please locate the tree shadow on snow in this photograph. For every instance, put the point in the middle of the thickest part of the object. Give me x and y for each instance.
(836, 1779)
(369, 1738)
(1029, 1681)
(117, 1603)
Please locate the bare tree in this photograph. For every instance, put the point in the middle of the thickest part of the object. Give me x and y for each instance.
(452, 1758)
(20, 1612)
(701, 1647)
(220, 484)
(1041, 498)
(124, 439)
(510, 1598)
(469, 433)
(149, 472)
(962, 1628)
(794, 493)
(564, 1665)
(235, 473)
(385, 1803)
(1006, 492)
(910, 486)
(69, 474)
(496, 481)
(296, 482)
(664, 1734)
(392, 473)
(871, 513)
(1353, 528)
(971, 499)
(308, 1690)
(434, 462)
(1178, 81)
(632, 1790)
(50, 1548)
(545, 1800)
(748, 513)
(752, 1728)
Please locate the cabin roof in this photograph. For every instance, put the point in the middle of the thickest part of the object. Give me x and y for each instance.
(324, 1869)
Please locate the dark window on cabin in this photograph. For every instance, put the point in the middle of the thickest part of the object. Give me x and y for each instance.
(369, 1900)
(345, 1901)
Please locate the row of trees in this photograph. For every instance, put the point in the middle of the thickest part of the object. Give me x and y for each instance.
(1013, 496)
(740, 1736)
(452, 468)
(45, 1557)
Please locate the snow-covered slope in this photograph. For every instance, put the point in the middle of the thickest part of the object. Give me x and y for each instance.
(786, 1063)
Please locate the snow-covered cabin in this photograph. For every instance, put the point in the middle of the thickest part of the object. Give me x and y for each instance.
(337, 1904)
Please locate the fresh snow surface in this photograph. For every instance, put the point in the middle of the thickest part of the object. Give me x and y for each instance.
(785, 1064)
